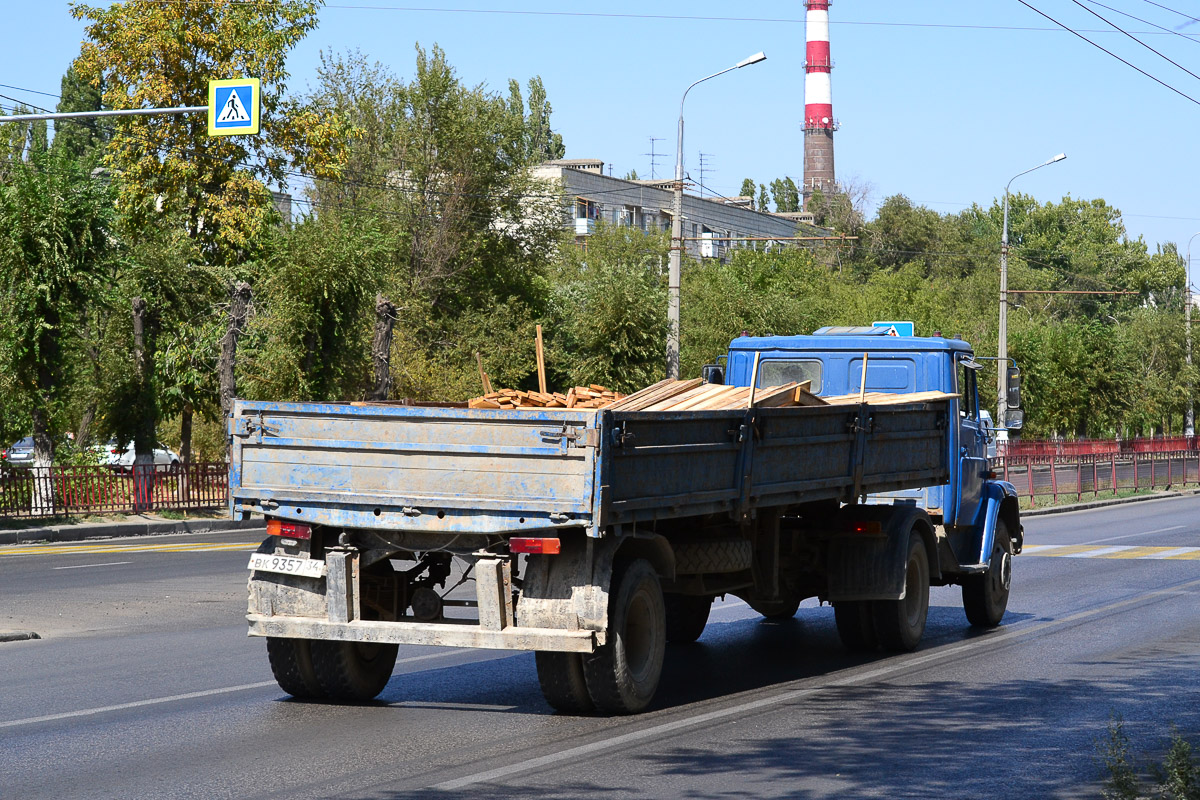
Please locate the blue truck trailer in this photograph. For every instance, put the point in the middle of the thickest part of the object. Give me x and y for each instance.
(594, 537)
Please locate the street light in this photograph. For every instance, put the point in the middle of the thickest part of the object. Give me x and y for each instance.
(677, 228)
(1002, 363)
(1189, 419)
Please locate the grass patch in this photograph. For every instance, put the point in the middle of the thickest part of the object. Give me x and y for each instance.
(1176, 777)
(1047, 501)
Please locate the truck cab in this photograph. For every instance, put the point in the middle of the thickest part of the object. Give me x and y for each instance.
(968, 505)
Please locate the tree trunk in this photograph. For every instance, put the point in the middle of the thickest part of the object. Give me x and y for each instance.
(185, 453)
(144, 432)
(85, 426)
(381, 347)
(238, 310)
(43, 459)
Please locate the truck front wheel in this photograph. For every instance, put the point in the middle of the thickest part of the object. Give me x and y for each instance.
(901, 623)
(985, 597)
(623, 674)
(291, 664)
(352, 671)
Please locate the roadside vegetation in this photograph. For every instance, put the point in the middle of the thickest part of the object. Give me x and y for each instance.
(1127, 777)
(150, 275)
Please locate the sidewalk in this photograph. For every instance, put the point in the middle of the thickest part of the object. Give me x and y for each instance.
(1115, 501)
(133, 525)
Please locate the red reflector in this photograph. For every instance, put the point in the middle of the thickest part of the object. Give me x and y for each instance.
(546, 547)
(869, 528)
(292, 530)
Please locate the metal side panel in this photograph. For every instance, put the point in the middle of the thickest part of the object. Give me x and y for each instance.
(407, 468)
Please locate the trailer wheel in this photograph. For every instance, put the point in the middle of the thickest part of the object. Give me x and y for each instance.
(855, 625)
(899, 624)
(985, 597)
(623, 674)
(563, 684)
(292, 666)
(686, 616)
(352, 671)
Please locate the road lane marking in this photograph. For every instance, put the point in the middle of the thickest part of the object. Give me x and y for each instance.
(86, 566)
(655, 732)
(1126, 551)
(192, 547)
(1143, 533)
(154, 701)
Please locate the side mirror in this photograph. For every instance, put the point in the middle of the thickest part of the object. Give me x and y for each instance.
(712, 373)
(1015, 419)
(1014, 388)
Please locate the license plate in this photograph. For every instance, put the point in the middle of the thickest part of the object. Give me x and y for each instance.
(266, 562)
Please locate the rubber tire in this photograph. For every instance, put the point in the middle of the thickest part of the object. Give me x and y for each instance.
(985, 597)
(352, 671)
(563, 685)
(899, 624)
(777, 610)
(856, 625)
(292, 666)
(622, 675)
(713, 557)
(686, 617)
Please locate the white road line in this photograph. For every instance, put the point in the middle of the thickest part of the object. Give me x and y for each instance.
(86, 566)
(87, 712)
(1132, 535)
(1178, 551)
(656, 732)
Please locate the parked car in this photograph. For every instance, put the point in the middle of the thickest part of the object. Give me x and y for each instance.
(18, 454)
(111, 455)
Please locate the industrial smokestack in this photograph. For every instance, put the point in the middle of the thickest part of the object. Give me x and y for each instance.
(819, 123)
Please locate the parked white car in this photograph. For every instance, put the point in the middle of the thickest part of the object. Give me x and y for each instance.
(165, 459)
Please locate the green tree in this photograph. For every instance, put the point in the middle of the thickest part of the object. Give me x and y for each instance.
(748, 190)
(764, 202)
(55, 240)
(539, 141)
(786, 195)
(82, 138)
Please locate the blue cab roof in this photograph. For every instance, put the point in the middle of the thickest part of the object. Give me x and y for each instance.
(835, 342)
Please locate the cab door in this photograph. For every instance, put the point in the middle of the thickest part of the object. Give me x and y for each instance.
(972, 445)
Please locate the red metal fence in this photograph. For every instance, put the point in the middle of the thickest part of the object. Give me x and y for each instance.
(1074, 476)
(55, 491)
(1087, 447)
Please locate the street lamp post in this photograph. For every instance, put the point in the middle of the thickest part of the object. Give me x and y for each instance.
(1189, 419)
(677, 229)
(1002, 363)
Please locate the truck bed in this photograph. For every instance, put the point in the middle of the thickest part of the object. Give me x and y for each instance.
(454, 470)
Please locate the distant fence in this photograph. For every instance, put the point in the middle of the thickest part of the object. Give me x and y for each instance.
(1087, 447)
(1074, 476)
(55, 491)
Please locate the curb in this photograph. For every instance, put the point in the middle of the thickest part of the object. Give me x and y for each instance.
(1116, 501)
(113, 530)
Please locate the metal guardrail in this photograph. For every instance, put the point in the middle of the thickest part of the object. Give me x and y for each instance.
(1057, 476)
(56, 491)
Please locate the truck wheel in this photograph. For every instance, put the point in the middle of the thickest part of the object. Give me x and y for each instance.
(900, 623)
(855, 625)
(352, 671)
(985, 597)
(622, 675)
(777, 610)
(563, 685)
(686, 616)
(291, 664)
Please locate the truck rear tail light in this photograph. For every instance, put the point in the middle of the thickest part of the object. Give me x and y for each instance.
(292, 530)
(546, 546)
(867, 528)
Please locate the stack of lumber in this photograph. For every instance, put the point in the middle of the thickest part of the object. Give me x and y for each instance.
(592, 396)
(695, 395)
(886, 399)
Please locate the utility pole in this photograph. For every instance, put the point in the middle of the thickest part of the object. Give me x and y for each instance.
(1189, 418)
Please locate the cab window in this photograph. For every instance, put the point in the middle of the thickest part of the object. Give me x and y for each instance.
(777, 372)
(968, 390)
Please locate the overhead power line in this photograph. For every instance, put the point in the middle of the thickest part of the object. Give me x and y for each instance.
(1111, 53)
(1145, 21)
(1139, 41)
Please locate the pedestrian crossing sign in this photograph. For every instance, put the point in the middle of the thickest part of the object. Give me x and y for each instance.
(234, 106)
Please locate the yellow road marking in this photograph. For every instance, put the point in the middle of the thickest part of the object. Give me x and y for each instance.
(76, 549)
(1159, 553)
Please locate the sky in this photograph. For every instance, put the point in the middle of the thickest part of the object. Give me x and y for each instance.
(941, 101)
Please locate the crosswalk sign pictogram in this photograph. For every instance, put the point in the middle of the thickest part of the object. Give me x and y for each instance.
(234, 106)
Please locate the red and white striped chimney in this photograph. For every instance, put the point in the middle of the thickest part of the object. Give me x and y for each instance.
(819, 123)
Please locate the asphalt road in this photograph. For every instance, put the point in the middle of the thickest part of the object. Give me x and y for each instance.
(146, 685)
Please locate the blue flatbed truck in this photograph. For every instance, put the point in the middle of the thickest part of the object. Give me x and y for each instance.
(595, 537)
